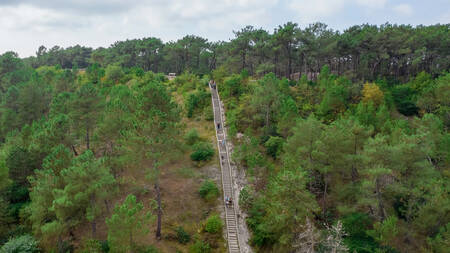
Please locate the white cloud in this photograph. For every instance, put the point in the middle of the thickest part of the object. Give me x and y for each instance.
(312, 11)
(372, 3)
(88, 23)
(404, 9)
(27, 24)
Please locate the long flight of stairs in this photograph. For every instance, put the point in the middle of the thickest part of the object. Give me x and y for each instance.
(227, 180)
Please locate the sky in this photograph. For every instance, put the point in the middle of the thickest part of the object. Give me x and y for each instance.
(27, 24)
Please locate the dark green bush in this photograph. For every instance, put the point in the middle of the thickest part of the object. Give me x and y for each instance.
(213, 224)
(202, 152)
(404, 100)
(273, 146)
(182, 236)
(208, 190)
(356, 225)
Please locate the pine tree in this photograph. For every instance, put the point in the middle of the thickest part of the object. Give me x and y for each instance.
(128, 224)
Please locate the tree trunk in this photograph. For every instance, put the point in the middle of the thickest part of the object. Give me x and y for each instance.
(159, 212)
(324, 205)
(74, 150)
(382, 212)
(60, 244)
(94, 228)
(107, 206)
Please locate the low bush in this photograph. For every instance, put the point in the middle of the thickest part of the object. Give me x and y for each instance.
(213, 224)
(200, 247)
(202, 152)
(208, 190)
(192, 136)
(274, 146)
(182, 236)
(22, 244)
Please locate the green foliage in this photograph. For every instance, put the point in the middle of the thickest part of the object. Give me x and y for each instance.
(21, 163)
(274, 146)
(356, 226)
(127, 224)
(94, 73)
(208, 190)
(404, 100)
(441, 242)
(182, 236)
(385, 232)
(289, 203)
(114, 73)
(355, 159)
(266, 99)
(196, 101)
(333, 103)
(214, 224)
(202, 152)
(248, 153)
(192, 136)
(246, 197)
(93, 246)
(232, 86)
(22, 244)
(200, 247)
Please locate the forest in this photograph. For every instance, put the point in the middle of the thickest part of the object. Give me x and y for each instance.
(343, 138)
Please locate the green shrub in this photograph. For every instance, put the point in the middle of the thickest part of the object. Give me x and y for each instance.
(192, 136)
(274, 145)
(356, 225)
(200, 247)
(246, 197)
(105, 246)
(182, 236)
(196, 100)
(213, 224)
(202, 152)
(22, 244)
(93, 246)
(114, 73)
(208, 190)
(404, 100)
(191, 104)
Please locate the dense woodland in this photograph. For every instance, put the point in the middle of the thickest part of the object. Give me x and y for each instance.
(363, 52)
(354, 156)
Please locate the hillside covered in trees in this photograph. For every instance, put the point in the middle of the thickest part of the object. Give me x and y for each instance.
(343, 138)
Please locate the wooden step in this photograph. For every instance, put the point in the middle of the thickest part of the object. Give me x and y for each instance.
(230, 215)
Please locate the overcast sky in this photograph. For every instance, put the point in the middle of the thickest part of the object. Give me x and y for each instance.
(27, 24)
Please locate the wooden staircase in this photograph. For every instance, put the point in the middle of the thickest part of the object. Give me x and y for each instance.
(227, 180)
